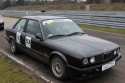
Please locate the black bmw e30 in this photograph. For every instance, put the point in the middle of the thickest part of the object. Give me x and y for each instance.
(60, 43)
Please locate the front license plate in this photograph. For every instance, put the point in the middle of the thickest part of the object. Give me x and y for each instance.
(108, 65)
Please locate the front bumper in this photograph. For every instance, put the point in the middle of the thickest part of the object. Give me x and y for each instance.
(99, 66)
(2, 25)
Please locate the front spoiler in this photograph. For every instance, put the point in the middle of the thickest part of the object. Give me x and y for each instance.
(2, 25)
(94, 67)
(82, 74)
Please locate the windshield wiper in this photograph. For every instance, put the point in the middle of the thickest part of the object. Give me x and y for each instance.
(60, 35)
(75, 33)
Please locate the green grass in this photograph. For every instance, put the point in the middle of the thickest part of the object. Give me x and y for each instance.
(11, 74)
(107, 29)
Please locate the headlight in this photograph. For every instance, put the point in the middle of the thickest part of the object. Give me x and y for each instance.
(1, 20)
(115, 52)
(85, 61)
(92, 59)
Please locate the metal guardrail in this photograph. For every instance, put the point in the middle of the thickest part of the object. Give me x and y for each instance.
(106, 19)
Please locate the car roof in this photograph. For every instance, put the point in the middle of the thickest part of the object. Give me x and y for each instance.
(43, 17)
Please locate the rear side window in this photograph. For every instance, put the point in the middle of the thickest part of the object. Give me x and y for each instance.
(33, 27)
(20, 25)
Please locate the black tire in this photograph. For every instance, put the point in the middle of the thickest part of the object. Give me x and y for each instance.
(1, 29)
(13, 47)
(60, 69)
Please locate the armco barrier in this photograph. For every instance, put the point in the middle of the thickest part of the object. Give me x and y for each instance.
(97, 18)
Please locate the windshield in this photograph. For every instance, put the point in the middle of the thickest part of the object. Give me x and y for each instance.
(60, 27)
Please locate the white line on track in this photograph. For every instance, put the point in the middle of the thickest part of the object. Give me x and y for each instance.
(26, 66)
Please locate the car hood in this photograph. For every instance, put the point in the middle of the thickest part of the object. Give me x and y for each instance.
(84, 45)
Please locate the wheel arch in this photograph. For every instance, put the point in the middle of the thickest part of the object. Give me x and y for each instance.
(58, 54)
(11, 37)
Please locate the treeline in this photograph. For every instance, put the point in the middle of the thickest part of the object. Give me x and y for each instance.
(11, 3)
(104, 1)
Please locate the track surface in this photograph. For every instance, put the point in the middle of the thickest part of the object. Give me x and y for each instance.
(115, 75)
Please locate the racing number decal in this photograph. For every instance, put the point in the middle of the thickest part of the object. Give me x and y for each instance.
(28, 42)
(18, 34)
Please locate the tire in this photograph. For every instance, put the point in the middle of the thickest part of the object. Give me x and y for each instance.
(59, 68)
(2, 28)
(13, 47)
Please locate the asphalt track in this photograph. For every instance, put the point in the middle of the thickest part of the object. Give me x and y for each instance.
(42, 72)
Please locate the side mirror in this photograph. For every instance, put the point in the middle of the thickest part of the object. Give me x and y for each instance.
(39, 36)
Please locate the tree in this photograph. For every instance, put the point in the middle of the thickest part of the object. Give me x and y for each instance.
(118, 1)
(95, 1)
(7, 3)
(20, 2)
(75, 1)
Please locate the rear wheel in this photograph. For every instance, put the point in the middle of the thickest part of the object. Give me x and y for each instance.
(13, 47)
(59, 68)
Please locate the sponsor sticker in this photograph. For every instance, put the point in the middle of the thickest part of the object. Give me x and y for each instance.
(57, 20)
(28, 42)
(18, 34)
(47, 22)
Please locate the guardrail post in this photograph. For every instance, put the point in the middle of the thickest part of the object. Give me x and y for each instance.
(87, 7)
(108, 20)
(27, 13)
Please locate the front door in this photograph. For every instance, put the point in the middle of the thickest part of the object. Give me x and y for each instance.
(34, 45)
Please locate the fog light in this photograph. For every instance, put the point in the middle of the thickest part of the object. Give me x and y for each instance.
(92, 59)
(1, 20)
(85, 61)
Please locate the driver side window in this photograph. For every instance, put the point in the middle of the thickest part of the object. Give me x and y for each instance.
(20, 25)
(33, 27)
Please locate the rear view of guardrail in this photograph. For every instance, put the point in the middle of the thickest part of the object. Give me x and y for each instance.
(96, 18)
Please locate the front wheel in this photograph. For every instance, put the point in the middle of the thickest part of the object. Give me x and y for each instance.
(13, 47)
(59, 68)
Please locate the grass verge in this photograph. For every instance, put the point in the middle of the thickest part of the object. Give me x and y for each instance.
(49, 7)
(95, 7)
(11, 17)
(106, 29)
(11, 74)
